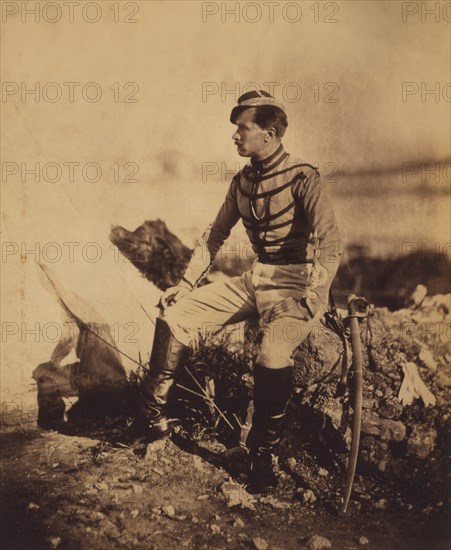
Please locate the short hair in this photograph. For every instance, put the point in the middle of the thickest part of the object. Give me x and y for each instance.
(265, 116)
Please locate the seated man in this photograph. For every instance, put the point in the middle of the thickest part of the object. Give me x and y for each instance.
(291, 225)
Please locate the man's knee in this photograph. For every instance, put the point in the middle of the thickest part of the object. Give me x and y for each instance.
(274, 356)
(280, 340)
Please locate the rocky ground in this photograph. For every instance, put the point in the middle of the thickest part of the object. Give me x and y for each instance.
(77, 492)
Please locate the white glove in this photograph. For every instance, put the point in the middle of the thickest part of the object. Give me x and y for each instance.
(413, 387)
(173, 294)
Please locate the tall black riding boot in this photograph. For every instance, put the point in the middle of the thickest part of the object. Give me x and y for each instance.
(151, 422)
(272, 390)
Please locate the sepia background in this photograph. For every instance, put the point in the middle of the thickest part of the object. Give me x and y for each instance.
(366, 85)
(117, 112)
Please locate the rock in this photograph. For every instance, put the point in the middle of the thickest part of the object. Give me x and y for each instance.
(215, 529)
(275, 503)
(291, 462)
(387, 430)
(134, 513)
(417, 297)
(259, 543)
(369, 403)
(427, 359)
(363, 541)
(168, 511)
(308, 496)
(54, 542)
(381, 504)
(153, 448)
(316, 542)
(421, 441)
(32, 506)
(236, 495)
(323, 472)
(238, 523)
(390, 408)
(202, 497)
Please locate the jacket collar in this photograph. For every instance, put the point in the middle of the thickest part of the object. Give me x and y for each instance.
(264, 166)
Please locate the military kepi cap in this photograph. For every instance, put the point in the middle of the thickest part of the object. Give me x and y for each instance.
(256, 98)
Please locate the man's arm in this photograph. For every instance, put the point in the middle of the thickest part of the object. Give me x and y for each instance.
(213, 238)
(320, 215)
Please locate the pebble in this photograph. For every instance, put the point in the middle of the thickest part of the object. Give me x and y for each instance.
(421, 441)
(308, 496)
(381, 504)
(238, 523)
(236, 494)
(275, 503)
(153, 448)
(202, 497)
(215, 529)
(134, 513)
(259, 543)
(32, 506)
(54, 542)
(168, 511)
(316, 542)
(323, 472)
(363, 541)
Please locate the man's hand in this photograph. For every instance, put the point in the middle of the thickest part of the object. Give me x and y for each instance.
(173, 295)
(289, 307)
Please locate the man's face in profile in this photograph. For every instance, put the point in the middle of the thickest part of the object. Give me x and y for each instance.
(249, 137)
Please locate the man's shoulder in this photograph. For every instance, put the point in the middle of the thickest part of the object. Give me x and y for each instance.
(301, 165)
